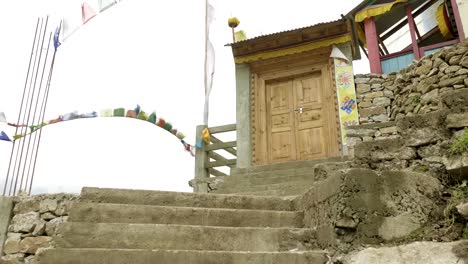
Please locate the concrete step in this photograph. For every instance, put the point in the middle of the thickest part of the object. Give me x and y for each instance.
(161, 198)
(122, 256)
(148, 214)
(303, 184)
(183, 237)
(247, 180)
(287, 165)
(289, 192)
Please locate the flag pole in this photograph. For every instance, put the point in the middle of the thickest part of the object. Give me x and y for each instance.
(205, 79)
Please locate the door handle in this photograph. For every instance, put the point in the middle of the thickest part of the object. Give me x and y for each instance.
(299, 110)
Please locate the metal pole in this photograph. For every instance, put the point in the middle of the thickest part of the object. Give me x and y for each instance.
(21, 106)
(29, 111)
(43, 109)
(34, 114)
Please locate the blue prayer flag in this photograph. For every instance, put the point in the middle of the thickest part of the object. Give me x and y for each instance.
(56, 37)
(4, 136)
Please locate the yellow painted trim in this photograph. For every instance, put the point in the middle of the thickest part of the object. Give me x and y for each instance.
(375, 10)
(361, 35)
(294, 50)
(443, 27)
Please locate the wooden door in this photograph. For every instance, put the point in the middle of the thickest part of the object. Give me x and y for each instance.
(300, 118)
(309, 116)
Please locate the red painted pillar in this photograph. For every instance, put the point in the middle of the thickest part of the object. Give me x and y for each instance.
(372, 45)
(412, 27)
(456, 13)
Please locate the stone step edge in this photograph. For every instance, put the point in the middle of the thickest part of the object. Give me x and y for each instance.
(285, 165)
(184, 207)
(105, 195)
(318, 251)
(189, 226)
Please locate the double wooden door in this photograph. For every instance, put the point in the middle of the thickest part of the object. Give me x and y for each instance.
(300, 119)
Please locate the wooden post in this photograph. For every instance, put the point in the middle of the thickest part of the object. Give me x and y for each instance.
(201, 159)
(458, 22)
(412, 27)
(372, 40)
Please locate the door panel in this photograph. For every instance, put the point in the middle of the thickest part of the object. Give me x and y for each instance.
(310, 123)
(281, 134)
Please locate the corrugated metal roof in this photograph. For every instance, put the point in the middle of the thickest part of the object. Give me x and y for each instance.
(282, 32)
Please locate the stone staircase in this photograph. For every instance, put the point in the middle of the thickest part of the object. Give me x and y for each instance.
(282, 179)
(133, 226)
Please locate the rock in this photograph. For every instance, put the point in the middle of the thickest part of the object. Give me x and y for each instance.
(380, 118)
(389, 130)
(31, 260)
(437, 63)
(376, 80)
(462, 209)
(373, 95)
(364, 104)
(462, 71)
(464, 62)
(346, 222)
(443, 66)
(31, 244)
(455, 60)
(48, 216)
(430, 150)
(12, 243)
(360, 132)
(451, 69)
(456, 100)
(421, 136)
(17, 258)
(465, 82)
(48, 205)
(362, 88)
(24, 223)
(381, 101)
(371, 111)
(430, 97)
(433, 72)
(426, 66)
(451, 81)
(352, 141)
(361, 80)
(26, 205)
(51, 226)
(457, 165)
(458, 86)
(398, 226)
(388, 93)
(414, 253)
(457, 120)
(376, 87)
(40, 228)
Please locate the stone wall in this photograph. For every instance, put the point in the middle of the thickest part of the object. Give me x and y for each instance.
(418, 143)
(416, 89)
(34, 221)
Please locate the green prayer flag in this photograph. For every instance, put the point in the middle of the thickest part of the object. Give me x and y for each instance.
(119, 112)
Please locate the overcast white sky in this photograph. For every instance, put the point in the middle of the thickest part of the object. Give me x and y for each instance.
(138, 52)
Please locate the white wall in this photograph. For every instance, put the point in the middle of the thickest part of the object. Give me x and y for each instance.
(463, 9)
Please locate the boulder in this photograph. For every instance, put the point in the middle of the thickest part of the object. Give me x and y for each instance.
(31, 244)
(24, 223)
(414, 253)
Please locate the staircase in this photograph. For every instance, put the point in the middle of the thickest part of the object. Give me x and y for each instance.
(282, 179)
(133, 226)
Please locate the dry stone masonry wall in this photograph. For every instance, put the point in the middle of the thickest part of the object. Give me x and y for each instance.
(416, 89)
(34, 222)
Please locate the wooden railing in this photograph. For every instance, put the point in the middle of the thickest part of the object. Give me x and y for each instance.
(209, 157)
